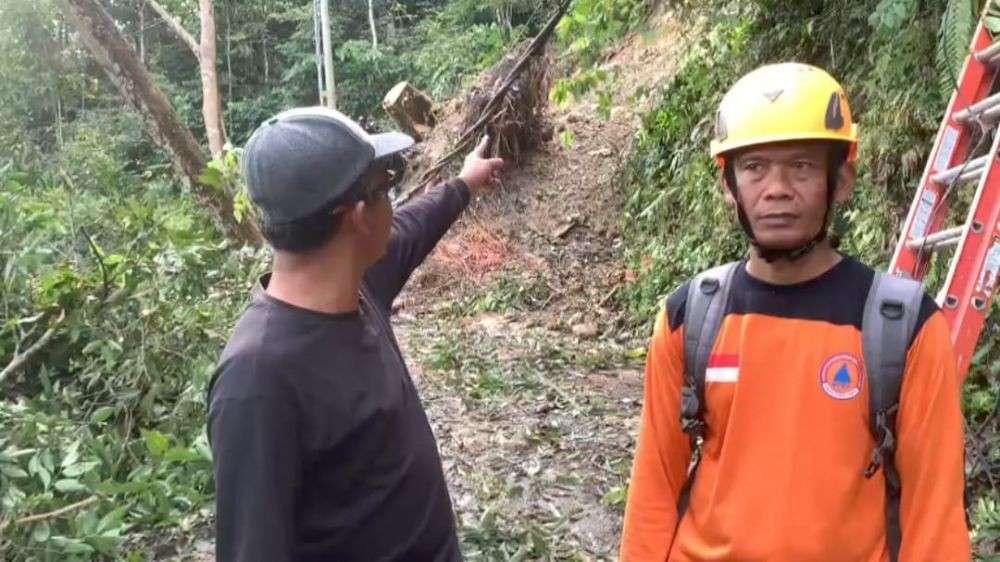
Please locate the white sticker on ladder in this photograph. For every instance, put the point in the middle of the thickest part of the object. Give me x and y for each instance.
(922, 218)
(991, 271)
(949, 140)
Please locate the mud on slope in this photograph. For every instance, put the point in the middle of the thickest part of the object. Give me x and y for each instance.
(511, 328)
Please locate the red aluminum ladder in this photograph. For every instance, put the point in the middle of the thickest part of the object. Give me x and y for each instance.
(974, 273)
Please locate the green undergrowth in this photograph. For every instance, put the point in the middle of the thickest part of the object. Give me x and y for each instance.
(585, 34)
(107, 417)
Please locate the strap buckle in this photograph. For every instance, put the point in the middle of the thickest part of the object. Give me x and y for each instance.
(691, 422)
(892, 309)
(886, 443)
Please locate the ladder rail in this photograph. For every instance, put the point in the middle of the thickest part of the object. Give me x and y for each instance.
(974, 274)
(951, 148)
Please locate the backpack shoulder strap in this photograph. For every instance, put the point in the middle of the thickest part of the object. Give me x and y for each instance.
(707, 296)
(887, 326)
(890, 317)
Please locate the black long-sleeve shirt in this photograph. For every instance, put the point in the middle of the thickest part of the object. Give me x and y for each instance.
(321, 447)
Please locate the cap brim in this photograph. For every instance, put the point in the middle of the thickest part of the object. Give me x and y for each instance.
(387, 144)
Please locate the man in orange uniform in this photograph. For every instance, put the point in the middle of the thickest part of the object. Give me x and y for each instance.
(781, 475)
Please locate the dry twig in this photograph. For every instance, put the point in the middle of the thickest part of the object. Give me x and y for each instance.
(21, 358)
(51, 514)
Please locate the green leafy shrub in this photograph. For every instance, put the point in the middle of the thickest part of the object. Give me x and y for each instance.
(591, 25)
(446, 57)
(584, 34)
(140, 295)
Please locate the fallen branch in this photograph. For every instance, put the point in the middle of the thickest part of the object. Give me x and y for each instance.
(607, 298)
(20, 359)
(493, 106)
(51, 514)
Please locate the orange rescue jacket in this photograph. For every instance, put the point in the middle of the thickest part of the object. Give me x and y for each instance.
(781, 478)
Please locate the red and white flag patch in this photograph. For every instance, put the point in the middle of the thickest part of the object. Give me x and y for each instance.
(723, 367)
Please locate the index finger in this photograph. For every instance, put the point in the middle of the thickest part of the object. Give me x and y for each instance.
(481, 147)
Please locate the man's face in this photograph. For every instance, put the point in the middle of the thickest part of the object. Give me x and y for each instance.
(783, 189)
(378, 214)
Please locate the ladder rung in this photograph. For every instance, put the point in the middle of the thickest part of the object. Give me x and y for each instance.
(990, 116)
(970, 176)
(964, 172)
(940, 239)
(981, 108)
(990, 54)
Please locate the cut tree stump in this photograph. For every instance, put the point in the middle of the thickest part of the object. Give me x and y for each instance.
(411, 109)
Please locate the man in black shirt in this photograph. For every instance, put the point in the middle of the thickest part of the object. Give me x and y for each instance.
(321, 447)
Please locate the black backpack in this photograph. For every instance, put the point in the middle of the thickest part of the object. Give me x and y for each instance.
(887, 327)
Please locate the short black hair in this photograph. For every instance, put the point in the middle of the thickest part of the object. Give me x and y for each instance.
(311, 232)
(303, 235)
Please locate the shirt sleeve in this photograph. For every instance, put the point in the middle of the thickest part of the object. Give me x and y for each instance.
(416, 229)
(257, 466)
(662, 454)
(930, 451)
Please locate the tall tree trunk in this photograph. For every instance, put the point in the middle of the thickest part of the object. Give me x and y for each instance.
(229, 52)
(267, 64)
(59, 117)
(176, 27)
(318, 41)
(121, 64)
(371, 22)
(181, 33)
(211, 107)
(142, 32)
(331, 85)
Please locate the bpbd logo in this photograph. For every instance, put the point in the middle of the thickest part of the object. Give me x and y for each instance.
(842, 377)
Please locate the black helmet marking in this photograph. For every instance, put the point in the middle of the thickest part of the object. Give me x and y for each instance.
(834, 116)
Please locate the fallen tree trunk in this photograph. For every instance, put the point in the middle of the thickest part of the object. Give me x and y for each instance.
(411, 109)
(505, 105)
(514, 125)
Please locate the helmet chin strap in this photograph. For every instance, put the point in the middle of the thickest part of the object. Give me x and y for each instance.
(771, 255)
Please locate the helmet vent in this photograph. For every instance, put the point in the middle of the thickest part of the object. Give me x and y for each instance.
(720, 127)
(834, 116)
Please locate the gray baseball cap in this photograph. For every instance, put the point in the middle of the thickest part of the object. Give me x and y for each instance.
(303, 159)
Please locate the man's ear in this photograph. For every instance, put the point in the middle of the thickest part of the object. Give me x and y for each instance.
(356, 218)
(846, 177)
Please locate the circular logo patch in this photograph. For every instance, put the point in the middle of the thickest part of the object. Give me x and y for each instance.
(842, 377)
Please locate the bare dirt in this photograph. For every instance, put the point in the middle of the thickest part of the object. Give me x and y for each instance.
(558, 215)
(511, 327)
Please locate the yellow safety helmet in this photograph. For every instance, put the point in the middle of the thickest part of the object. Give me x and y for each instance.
(783, 102)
